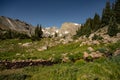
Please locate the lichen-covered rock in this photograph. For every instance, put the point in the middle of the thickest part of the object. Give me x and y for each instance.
(95, 55)
(26, 44)
(43, 48)
(90, 49)
(117, 52)
(85, 55)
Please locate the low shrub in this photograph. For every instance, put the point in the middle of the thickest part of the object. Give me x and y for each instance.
(80, 62)
(102, 50)
(75, 56)
(97, 37)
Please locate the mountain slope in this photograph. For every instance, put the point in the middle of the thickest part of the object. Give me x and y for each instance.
(15, 25)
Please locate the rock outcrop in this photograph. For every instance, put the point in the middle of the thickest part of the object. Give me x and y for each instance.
(69, 28)
(16, 25)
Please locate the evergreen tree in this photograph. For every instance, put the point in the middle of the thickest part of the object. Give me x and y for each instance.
(106, 14)
(56, 34)
(38, 32)
(113, 27)
(117, 11)
(79, 32)
(87, 27)
(96, 22)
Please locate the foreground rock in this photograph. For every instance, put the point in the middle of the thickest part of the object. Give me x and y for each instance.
(92, 55)
(43, 48)
(117, 52)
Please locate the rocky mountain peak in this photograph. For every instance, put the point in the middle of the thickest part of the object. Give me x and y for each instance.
(15, 25)
(70, 28)
(67, 28)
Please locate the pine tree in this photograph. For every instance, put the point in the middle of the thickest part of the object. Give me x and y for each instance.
(85, 29)
(113, 27)
(96, 22)
(117, 11)
(87, 26)
(79, 32)
(106, 14)
(38, 32)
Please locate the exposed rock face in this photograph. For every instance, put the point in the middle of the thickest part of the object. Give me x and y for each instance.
(66, 30)
(15, 25)
(50, 31)
(69, 28)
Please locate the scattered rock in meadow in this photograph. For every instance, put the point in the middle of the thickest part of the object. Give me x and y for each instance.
(18, 54)
(85, 55)
(26, 44)
(95, 42)
(95, 55)
(118, 35)
(65, 59)
(43, 48)
(90, 49)
(117, 52)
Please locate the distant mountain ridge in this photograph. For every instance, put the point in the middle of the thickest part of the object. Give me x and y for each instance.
(15, 25)
(67, 28)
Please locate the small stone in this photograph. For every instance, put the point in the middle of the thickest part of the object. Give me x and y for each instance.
(18, 54)
(117, 52)
(90, 49)
(85, 55)
(42, 48)
(65, 59)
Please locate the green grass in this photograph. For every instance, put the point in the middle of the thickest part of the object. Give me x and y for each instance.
(101, 69)
(10, 48)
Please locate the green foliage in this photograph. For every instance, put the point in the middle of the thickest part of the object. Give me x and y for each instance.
(77, 70)
(56, 34)
(80, 62)
(57, 59)
(14, 77)
(113, 27)
(106, 15)
(90, 26)
(102, 50)
(96, 23)
(38, 33)
(9, 34)
(85, 30)
(100, 69)
(114, 46)
(97, 37)
(76, 56)
(117, 11)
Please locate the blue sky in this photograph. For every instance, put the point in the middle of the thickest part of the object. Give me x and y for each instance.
(51, 12)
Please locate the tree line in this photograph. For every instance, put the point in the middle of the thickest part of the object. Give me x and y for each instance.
(110, 17)
(11, 34)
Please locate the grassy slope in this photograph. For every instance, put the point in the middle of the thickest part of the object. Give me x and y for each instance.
(101, 69)
(9, 49)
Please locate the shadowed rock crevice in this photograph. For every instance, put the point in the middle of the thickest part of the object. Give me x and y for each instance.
(21, 64)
